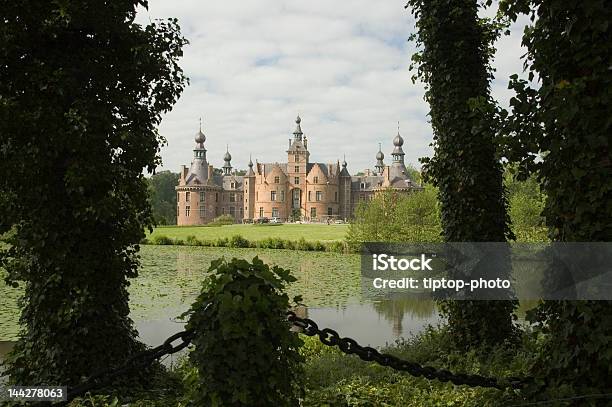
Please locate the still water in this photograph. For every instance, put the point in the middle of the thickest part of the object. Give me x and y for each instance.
(171, 278)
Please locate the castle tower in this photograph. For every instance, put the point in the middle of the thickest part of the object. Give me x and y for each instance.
(344, 186)
(297, 167)
(397, 169)
(249, 192)
(227, 158)
(199, 165)
(380, 165)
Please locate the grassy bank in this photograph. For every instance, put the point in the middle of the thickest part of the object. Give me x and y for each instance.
(310, 232)
(238, 241)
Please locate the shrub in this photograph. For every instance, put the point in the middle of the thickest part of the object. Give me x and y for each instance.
(238, 241)
(161, 239)
(336, 247)
(317, 246)
(302, 244)
(223, 220)
(245, 354)
(221, 242)
(192, 241)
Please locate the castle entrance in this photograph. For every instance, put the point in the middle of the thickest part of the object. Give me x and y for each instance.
(296, 198)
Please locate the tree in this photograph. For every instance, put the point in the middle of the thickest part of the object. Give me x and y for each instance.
(394, 217)
(82, 90)
(567, 122)
(526, 201)
(456, 47)
(163, 197)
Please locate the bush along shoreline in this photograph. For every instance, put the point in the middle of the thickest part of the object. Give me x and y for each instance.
(238, 241)
(525, 235)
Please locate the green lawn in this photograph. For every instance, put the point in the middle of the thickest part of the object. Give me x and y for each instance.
(311, 232)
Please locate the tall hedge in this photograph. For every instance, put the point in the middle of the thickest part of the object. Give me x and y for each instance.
(561, 131)
(453, 61)
(82, 90)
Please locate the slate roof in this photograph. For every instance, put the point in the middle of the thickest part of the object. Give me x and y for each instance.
(225, 181)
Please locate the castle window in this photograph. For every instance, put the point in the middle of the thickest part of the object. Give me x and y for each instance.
(187, 210)
(310, 196)
(178, 197)
(363, 185)
(202, 196)
(202, 211)
(233, 185)
(178, 211)
(297, 168)
(216, 197)
(261, 211)
(316, 180)
(187, 194)
(336, 196)
(276, 179)
(223, 211)
(297, 158)
(232, 197)
(296, 180)
(330, 211)
(313, 213)
(275, 212)
(232, 211)
(273, 195)
(282, 196)
(319, 196)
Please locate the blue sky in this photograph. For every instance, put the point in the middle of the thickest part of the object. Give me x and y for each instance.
(342, 65)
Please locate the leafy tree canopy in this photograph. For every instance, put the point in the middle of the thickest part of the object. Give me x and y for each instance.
(82, 90)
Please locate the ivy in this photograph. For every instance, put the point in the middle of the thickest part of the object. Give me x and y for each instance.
(453, 61)
(82, 90)
(245, 353)
(561, 131)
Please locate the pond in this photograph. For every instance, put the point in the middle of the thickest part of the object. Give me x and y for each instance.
(329, 283)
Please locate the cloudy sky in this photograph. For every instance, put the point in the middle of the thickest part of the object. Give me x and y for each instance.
(342, 65)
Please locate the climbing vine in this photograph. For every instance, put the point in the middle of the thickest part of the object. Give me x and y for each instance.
(82, 90)
(561, 131)
(453, 61)
(245, 353)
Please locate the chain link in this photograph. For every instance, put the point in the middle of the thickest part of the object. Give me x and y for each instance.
(349, 346)
(138, 360)
(308, 327)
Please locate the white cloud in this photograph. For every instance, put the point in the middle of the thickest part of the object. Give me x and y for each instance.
(343, 65)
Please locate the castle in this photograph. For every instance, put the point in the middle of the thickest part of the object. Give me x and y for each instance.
(297, 189)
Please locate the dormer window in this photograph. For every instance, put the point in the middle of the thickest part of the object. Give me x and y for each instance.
(316, 180)
(363, 185)
(277, 179)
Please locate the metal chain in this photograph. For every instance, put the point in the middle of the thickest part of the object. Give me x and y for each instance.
(349, 346)
(138, 360)
(308, 327)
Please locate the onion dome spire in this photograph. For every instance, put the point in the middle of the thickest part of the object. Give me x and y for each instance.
(200, 138)
(297, 134)
(398, 153)
(344, 172)
(380, 165)
(227, 167)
